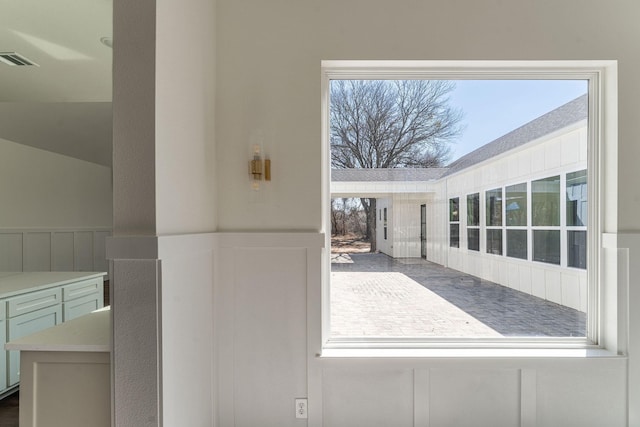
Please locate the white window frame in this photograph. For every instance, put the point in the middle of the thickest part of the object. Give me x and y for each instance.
(474, 226)
(450, 222)
(568, 228)
(604, 329)
(488, 227)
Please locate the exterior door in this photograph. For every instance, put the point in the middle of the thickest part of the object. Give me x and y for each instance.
(423, 231)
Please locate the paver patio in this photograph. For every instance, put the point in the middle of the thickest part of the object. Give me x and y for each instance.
(374, 295)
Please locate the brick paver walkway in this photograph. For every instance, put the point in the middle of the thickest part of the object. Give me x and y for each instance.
(378, 296)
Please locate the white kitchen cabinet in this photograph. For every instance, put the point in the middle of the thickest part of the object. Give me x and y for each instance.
(27, 324)
(81, 298)
(31, 302)
(66, 374)
(81, 306)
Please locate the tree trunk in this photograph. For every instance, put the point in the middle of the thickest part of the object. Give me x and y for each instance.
(369, 206)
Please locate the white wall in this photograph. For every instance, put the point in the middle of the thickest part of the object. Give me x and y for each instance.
(185, 117)
(261, 332)
(42, 189)
(163, 100)
(268, 79)
(267, 325)
(56, 211)
(269, 64)
(134, 110)
(187, 268)
(164, 209)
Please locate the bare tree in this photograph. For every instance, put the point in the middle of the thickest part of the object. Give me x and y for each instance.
(347, 217)
(338, 221)
(391, 124)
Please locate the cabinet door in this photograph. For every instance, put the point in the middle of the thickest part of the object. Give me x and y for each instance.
(81, 306)
(27, 324)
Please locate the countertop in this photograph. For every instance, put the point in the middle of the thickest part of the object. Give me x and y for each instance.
(88, 333)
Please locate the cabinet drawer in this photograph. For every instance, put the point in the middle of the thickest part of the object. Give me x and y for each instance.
(28, 324)
(81, 289)
(3, 309)
(33, 301)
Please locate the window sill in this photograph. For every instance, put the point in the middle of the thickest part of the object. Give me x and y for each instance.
(468, 353)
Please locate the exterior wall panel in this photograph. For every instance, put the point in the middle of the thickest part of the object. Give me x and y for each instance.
(546, 281)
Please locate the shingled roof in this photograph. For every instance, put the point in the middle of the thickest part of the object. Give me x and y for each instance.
(568, 114)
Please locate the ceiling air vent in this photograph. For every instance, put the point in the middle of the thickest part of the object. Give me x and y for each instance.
(13, 58)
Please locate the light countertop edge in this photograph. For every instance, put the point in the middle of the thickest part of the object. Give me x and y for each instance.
(88, 333)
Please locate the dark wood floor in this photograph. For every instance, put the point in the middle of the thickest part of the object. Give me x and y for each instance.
(9, 411)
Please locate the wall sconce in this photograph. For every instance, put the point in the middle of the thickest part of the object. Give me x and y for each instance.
(258, 168)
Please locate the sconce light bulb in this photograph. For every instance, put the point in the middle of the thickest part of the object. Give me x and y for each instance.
(259, 169)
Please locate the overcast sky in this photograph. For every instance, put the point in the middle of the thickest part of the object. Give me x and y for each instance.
(493, 108)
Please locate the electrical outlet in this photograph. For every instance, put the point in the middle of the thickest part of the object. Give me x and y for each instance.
(301, 407)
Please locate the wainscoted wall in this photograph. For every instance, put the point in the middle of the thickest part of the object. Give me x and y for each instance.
(472, 392)
(261, 325)
(163, 329)
(268, 352)
(65, 249)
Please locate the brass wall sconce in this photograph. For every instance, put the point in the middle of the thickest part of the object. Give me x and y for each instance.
(258, 168)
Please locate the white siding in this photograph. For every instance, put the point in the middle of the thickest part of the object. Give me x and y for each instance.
(538, 159)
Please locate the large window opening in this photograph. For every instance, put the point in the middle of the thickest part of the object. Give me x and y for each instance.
(511, 220)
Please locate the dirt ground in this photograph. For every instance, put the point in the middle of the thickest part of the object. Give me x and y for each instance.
(349, 244)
